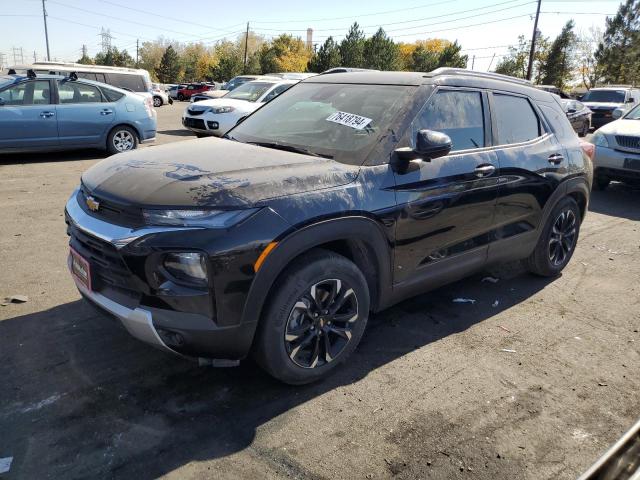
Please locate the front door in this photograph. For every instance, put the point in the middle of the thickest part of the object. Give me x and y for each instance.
(84, 115)
(447, 204)
(27, 116)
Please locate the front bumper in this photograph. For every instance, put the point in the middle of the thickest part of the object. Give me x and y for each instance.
(614, 164)
(209, 124)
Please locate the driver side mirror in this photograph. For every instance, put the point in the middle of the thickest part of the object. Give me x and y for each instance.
(631, 100)
(429, 145)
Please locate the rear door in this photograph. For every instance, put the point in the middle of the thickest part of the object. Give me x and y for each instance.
(84, 115)
(532, 165)
(447, 204)
(28, 116)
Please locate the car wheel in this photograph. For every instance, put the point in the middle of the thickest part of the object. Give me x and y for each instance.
(201, 135)
(601, 183)
(558, 240)
(314, 320)
(122, 139)
(180, 97)
(585, 130)
(157, 102)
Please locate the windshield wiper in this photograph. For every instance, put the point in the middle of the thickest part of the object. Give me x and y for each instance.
(290, 148)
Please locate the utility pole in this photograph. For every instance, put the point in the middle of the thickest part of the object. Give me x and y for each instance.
(35, 57)
(473, 62)
(246, 46)
(533, 42)
(137, 50)
(491, 62)
(46, 32)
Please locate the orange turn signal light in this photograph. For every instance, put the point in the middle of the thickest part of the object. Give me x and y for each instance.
(263, 256)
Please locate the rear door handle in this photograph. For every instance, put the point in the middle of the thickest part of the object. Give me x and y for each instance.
(555, 158)
(106, 111)
(47, 114)
(484, 170)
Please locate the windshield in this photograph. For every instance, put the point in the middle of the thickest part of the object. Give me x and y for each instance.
(604, 96)
(338, 121)
(633, 114)
(250, 92)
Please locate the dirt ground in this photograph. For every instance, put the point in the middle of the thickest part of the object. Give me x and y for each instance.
(430, 393)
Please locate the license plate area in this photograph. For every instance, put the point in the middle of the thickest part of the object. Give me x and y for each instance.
(80, 268)
(632, 163)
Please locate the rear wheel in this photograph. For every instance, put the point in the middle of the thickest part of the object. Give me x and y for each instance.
(601, 183)
(122, 139)
(558, 240)
(180, 97)
(315, 319)
(157, 102)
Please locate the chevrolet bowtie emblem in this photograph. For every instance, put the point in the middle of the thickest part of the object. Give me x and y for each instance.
(92, 203)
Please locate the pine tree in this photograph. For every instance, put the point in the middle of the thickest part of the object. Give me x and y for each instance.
(328, 56)
(381, 52)
(352, 48)
(169, 69)
(559, 66)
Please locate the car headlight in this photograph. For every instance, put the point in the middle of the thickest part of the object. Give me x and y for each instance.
(599, 140)
(197, 218)
(222, 109)
(190, 267)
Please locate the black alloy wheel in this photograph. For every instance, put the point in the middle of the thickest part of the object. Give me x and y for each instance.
(321, 323)
(563, 237)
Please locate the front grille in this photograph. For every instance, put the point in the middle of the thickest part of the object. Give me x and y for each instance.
(602, 113)
(627, 141)
(194, 123)
(108, 269)
(118, 214)
(194, 112)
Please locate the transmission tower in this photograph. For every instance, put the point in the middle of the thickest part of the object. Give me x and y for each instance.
(17, 53)
(2, 60)
(106, 39)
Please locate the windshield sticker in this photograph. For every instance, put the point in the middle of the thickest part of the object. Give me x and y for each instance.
(349, 120)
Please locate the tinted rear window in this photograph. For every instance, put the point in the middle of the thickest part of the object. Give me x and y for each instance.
(135, 83)
(515, 118)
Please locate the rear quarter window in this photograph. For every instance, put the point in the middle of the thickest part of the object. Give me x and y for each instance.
(516, 120)
(112, 95)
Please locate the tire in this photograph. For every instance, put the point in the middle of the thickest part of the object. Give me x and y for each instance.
(201, 135)
(293, 326)
(585, 130)
(180, 97)
(600, 183)
(558, 240)
(157, 102)
(122, 139)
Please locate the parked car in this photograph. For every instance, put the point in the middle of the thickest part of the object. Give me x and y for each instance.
(579, 116)
(217, 116)
(173, 91)
(52, 112)
(553, 89)
(292, 75)
(617, 155)
(131, 79)
(160, 97)
(345, 195)
(235, 82)
(603, 101)
(191, 89)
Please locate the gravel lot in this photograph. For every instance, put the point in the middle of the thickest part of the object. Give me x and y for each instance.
(429, 394)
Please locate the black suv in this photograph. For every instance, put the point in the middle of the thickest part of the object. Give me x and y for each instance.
(343, 196)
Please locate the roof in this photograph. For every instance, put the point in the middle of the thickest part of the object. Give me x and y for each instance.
(372, 78)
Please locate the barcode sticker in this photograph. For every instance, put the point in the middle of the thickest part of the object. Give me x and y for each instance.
(349, 119)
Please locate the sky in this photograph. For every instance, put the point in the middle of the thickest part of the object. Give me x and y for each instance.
(482, 27)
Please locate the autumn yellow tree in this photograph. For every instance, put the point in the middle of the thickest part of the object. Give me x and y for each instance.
(284, 54)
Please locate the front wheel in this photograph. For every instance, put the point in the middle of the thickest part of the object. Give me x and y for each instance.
(157, 102)
(180, 97)
(558, 240)
(122, 139)
(315, 319)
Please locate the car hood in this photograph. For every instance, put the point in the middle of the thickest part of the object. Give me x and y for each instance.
(602, 105)
(229, 102)
(211, 172)
(622, 127)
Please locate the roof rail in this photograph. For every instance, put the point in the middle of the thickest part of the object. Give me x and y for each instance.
(472, 73)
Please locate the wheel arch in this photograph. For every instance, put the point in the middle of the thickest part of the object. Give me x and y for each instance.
(360, 239)
(578, 189)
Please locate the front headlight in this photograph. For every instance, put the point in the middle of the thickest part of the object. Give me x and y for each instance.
(600, 140)
(222, 109)
(197, 218)
(190, 267)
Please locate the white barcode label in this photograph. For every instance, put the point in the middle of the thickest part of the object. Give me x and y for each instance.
(349, 119)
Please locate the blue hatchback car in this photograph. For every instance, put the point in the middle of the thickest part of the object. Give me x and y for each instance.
(52, 112)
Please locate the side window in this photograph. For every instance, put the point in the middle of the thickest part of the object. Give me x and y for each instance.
(275, 92)
(87, 75)
(112, 95)
(459, 114)
(72, 92)
(515, 118)
(34, 92)
(135, 83)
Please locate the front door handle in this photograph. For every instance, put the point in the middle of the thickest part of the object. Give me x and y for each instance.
(106, 111)
(47, 114)
(556, 158)
(484, 170)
